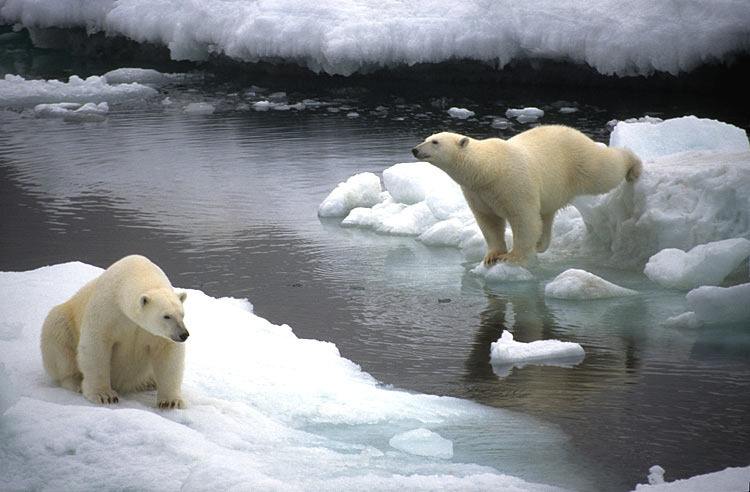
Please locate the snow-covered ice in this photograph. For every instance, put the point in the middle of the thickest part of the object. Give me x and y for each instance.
(689, 133)
(460, 113)
(502, 272)
(259, 403)
(581, 285)
(16, 91)
(705, 264)
(508, 352)
(720, 304)
(727, 480)
(423, 442)
(347, 37)
(360, 190)
(199, 108)
(73, 111)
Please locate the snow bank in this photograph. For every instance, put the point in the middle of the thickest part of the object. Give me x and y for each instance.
(657, 138)
(423, 442)
(580, 285)
(727, 480)
(267, 410)
(706, 264)
(17, 91)
(361, 190)
(614, 37)
(73, 111)
(720, 304)
(508, 352)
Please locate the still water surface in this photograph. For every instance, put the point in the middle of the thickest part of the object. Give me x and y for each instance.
(227, 203)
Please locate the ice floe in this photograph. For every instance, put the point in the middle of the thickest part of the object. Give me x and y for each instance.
(73, 111)
(729, 479)
(525, 115)
(506, 353)
(581, 285)
(16, 91)
(460, 113)
(720, 304)
(360, 190)
(200, 108)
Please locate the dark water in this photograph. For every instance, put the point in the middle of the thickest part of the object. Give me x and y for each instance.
(227, 203)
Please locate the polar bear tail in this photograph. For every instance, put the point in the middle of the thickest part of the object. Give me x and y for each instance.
(635, 166)
(59, 344)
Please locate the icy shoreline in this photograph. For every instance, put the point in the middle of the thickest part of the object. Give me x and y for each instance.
(362, 36)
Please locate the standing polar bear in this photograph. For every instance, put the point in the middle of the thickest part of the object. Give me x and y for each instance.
(525, 180)
(122, 331)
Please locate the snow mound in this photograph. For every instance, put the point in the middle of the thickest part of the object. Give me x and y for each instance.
(651, 139)
(706, 264)
(73, 111)
(727, 480)
(423, 442)
(506, 351)
(17, 91)
(623, 38)
(720, 304)
(502, 272)
(261, 407)
(199, 108)
(460, 113)
(580, 285)
(361, 190)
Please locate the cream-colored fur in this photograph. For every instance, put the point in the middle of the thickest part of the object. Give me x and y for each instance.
(122, 331)
(525, 180)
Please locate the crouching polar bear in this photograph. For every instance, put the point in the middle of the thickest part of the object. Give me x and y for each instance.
(525, 180)
(122, 331)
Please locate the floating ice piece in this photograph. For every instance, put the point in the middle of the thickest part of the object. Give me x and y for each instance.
(581, 285)
(508, 352)
(460, 113)
(655, 475)
(411, 182)
(706, 264)
(200, 108)
(73, 111)
(729, 479)
(500, 123)
(720, 304)
(502, 272)
(685, 320)
(423, 442)
(141, 76)
(352, 114)
(656, 139)
(361, 190)
(525, 115)
(17, 91)
(568, 109)
(444, 233)
(262, 105)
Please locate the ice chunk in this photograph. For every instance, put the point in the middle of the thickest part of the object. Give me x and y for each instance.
(706, 264)
(141, 76)
(17, 91)
(444, 233)
(580, 285)
(684, 320)
(525, 115)
(655, 475)
(506, 351)
(200, 108)
(423, 442)
(720, 304)
(650, 140)
(73, 111)
(361, 190)
(411, 182)
(729, 479)
(502, 272)
(409, 221)
(568, 109)
(500, 123)
(460, 113)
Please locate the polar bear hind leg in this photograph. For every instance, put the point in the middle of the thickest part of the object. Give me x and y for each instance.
(58, 344)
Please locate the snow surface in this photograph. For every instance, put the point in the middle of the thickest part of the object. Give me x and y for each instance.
(656, 138)
(727, 480)
(720, 304)
(705, 264)
(508, 352)
(259, 401)
(423, 442)
(615, 37)
(16, 91)
(580, 285)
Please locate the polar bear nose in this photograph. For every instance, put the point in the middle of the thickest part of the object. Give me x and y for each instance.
(415, 151)
(184, 335)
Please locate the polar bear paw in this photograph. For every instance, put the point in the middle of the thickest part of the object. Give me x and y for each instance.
(107, 396)
(170, 403)
(494, 256)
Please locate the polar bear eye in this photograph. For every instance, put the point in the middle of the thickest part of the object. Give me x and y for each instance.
(434, 142)
(166, 316)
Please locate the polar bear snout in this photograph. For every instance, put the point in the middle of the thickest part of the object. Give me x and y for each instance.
(180, 334)
(415, 151)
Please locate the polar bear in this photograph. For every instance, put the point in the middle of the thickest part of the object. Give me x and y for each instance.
(525, 180)
(122, 331)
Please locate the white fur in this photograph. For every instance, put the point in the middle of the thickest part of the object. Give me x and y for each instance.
(122, 332)
(526, 180)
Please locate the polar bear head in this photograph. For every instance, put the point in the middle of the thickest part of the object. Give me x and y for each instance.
(161, 313)
(441, 149)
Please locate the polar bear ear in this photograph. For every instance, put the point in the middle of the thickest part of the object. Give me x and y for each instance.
(182, 295)
(463, 142)
(144, 300)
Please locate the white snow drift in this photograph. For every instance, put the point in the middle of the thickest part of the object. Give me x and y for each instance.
(615, 37)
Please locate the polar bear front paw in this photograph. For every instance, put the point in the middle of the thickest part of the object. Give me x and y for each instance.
(494, 256)
(171, 403)
(102, 396)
